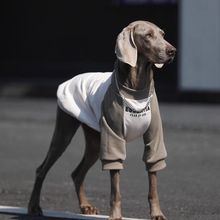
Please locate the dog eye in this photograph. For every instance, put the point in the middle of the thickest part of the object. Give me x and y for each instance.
(162, 33)
(149, 35)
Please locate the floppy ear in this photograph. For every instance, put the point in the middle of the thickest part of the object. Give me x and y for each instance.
(125, 49)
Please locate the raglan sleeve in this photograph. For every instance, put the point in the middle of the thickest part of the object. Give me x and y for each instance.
(112, 144)
(155, 150)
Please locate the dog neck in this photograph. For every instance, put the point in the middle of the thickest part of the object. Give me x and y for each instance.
(136, 78)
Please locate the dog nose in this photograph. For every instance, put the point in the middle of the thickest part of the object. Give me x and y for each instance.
(171, 51)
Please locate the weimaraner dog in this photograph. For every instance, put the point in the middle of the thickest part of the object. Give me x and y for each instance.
(113, 108)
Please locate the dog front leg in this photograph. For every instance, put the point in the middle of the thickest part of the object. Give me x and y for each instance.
(153, 198)
(115, 200)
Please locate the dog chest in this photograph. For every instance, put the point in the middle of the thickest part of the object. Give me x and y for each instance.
(137, 117)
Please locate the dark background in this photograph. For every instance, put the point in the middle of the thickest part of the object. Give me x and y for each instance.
(47, 42)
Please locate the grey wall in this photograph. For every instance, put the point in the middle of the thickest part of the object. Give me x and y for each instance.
(199, 64)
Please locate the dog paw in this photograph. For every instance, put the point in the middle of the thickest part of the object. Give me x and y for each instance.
(158, 217)
(156, 213)
(89, 210)
(35, 211)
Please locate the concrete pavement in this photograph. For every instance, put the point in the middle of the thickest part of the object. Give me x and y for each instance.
(189, 186)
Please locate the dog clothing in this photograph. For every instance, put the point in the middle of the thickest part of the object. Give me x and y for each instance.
(82, 97)
(119, 113)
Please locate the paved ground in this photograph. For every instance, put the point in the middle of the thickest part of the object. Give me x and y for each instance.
(189, 187)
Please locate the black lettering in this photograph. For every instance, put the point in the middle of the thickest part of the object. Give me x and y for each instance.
(128, 109)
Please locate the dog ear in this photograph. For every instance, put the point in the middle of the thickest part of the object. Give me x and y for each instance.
(125, 49)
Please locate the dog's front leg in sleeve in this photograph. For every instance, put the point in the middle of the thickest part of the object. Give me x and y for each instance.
(154, 158)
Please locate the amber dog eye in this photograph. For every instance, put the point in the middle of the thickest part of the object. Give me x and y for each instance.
(149, 35)
(162, 33)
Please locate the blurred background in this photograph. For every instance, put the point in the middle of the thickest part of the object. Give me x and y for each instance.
(46, 43)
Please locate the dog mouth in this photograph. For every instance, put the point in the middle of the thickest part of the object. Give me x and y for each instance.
(160, 61)
(159, 65)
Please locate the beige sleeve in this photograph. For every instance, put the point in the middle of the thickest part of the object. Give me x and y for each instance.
(155, 151)
(113, 148)
(113, 145)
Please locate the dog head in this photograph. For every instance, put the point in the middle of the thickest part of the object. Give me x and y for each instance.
(143, 40)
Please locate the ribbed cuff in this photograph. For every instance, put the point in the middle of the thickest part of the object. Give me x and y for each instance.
(153, 167)
(112, 165)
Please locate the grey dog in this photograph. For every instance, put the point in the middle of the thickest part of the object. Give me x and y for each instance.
(139, 46)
